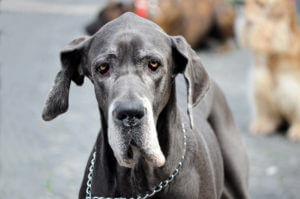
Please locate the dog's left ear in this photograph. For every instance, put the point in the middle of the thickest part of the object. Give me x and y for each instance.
(188, 63)
(73, 63)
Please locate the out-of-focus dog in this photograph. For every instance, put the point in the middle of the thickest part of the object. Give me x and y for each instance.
(271, 31)
(196, 20)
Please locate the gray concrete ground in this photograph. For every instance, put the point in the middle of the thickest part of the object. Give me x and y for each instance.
(47, 160)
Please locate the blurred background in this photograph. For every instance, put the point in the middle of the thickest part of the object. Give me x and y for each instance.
(47, 160)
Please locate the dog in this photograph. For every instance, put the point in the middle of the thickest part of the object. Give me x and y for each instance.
(145, 141)
(272, 33)
(195, 20)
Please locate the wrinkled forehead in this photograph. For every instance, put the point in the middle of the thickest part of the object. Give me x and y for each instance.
(130, 36)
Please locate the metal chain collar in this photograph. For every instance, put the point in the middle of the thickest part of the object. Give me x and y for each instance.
(158, 188)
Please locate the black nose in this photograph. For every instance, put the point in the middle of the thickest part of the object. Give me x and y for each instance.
(129, 114)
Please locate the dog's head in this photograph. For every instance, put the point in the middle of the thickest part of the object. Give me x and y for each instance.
(271, 26)
(132, 64)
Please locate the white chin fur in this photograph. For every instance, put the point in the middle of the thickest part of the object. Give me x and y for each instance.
(149, 146)
(127, 163)
(157, 160)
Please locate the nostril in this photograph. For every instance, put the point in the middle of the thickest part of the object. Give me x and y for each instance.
(138, 114)
(122, 116)
(129, 115)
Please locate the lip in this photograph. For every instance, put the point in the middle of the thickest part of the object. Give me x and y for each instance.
(130, 156)
(127, 160)
(138, 143)
(135, 152)
(157, 160)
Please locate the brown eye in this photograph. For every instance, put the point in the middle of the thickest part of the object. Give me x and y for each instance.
(153, 65)
(103, 68)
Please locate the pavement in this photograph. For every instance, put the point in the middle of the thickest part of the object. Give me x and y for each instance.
(47, 159)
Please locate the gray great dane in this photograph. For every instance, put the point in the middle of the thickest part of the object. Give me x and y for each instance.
(133, 64)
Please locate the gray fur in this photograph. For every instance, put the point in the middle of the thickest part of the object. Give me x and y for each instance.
(216, 164)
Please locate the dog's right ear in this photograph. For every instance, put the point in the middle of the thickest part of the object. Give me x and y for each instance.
(72, 68)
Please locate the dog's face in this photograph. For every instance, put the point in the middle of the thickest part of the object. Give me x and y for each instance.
(132, 64)
(131, 71)
(271, 25)
(271, 9)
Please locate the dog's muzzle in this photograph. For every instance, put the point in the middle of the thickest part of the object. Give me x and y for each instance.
(132, 132)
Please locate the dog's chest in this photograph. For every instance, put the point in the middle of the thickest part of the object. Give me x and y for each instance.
(288, 94)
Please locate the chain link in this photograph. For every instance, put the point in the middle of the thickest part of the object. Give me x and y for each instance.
(158, 188)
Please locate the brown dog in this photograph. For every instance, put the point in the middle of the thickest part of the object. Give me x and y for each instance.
(271, 31)
(195, 20)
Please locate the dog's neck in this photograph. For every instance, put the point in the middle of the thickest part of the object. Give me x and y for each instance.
(144, 176)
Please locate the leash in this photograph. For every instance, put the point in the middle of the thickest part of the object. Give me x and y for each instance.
(158, 188)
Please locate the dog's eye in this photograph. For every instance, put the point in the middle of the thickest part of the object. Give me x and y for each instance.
(153, 65)
(103, 68)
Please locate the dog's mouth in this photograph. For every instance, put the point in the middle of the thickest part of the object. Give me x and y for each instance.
(136, 139)
(138, 149)
(135, 153)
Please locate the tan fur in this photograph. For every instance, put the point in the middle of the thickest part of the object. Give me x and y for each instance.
(271, 31)
(193, 19)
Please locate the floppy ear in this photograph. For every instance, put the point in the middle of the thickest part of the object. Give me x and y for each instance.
(188, 63)
(72, 68)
